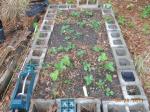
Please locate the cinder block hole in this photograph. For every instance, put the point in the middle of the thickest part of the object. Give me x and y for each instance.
(50, 22)
(120, 52)
(116, 108)
(115, 35)
(117, 42)
(89, 107)
(109, 19)
(40, 42)
(92, 2)
(137, 108)
(42, 106)
(47, 28)
(133, 90)
(128, 76)
(50, 16)
(107, 11)
(124, 62)
(53, 6)
(37, 53)
(34, 61)
(81, 2)
(62, 6)
(113, 27)
(51, 11)
(42, 35)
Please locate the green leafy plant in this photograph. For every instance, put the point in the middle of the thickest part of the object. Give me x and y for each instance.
(67, 81)
(70, 1)
(146, 29)
(69, 46)
(101, 84)
(130, 24)
(53, 50)
(88, 79)
(63, 63)
(108, 77)
(109, 66)
(97, 49)
(77, 35)
(81, 53)
(102, 57)
(109, 92)
(122, 20)
(75, 14)
(87, 66)
(95, 24)
(54, 75)
(146, 12)
(88, 13)
(82, 23)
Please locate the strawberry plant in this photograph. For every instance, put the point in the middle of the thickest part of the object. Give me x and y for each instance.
(109, 92)
(75, 14)
(108, 77)
(81, 24)
(97, 49)
(101, 84)
(88, 13)
(95, 24)
(88, 79)
(86, 66)
(109, 66)
(102, 57)
(146, 12)
(54, 75)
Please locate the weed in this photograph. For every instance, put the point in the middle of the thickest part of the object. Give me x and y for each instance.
(109, 66)
(86, 66)
(102, 57)
(88, 79)
(54, 75)
(95, 24)
(146, 12)
(75, 14)
(81, 53)
(146, 29)
(122, 20)
(97, 49)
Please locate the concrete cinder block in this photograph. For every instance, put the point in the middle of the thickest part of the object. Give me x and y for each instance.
(128, 77)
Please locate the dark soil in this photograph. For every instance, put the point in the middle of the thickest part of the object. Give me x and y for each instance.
(46, 88)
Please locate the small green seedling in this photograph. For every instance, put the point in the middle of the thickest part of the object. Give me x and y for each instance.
(67, 81)
(146, 29)
(88, 13)
(88, 79)
(86, 66)
(69, 46)
(109, 66)
(109, 92)
(95, 24)
(108, 77)
(81, 24)
(146, 12)
(81, 53)
(54, 75)
(75, 14)
(97, 49)
(101, 84)
(53, 50)
(102, 57)
(122, 20)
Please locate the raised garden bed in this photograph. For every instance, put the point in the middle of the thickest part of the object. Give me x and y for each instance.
(79, 55)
